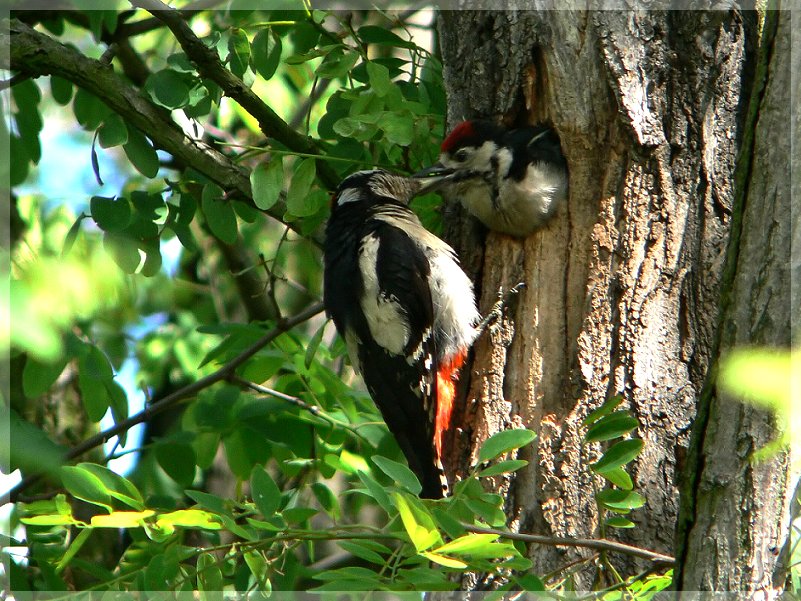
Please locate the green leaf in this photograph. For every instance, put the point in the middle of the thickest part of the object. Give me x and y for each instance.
(503, 467)
(168, 88)
(503, 442)
(220, 215)
(258, 566)
(267, 182)
(38, 377)
(418, 524)
(61, 90)
(20, 161)
(121, 519)
(178, 460)
(379, 78)
(611, 426)
(266, 53)
(244, 450)
(620, 500)
(111, 215)
(209, 501)
(467, 544)
(30, 448)
(327, 499)
(372, 34)
(209, 576)
(619, 522)
(84, 485)
(72, 235)
(448, 522)
(93, 369)
(141, 154)
(605, 409)
(314, 344)
(190, 518)
(123, 250)
(398, 128)
(299, 188)
(238, 52)
(399, 473)
(95, 162)
(113, 132)
(619, 477)
(374, 489)
(265, 491)
(618, 455)
(117, 486)
(337, 64)
(530, 582)
(49, 520)
(89, 110)
(448, 562)
(360, 550)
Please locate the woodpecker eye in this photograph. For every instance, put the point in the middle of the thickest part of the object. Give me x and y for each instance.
(461, 155)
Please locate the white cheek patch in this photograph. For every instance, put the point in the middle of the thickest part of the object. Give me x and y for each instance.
(480, 158)
(385, 317)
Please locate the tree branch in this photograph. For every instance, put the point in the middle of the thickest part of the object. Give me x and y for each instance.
(37, 54)
(223, 373)
(209, 66)
(600, 544)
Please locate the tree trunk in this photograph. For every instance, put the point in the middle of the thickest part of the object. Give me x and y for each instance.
(623, 286)
(735, 512)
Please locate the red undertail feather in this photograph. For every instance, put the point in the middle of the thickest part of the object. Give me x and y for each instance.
(446, 392)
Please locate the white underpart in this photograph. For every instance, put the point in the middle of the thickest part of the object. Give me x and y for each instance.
(385, 318)
(454, 303)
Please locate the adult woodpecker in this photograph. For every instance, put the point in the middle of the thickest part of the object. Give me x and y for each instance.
(405, 309)
(511, 180)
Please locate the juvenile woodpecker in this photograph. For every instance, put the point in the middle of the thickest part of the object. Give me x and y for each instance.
(405, 309)
(511, 180)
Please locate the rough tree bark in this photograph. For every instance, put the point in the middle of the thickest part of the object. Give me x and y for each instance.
(735, 513)
(623, 287)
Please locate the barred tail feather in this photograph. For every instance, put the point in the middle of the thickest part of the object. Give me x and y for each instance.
(447, 375)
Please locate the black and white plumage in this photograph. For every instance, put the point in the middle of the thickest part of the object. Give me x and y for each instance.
(405, 309)
(511, 180)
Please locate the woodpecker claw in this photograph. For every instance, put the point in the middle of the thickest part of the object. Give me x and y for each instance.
(496, 313)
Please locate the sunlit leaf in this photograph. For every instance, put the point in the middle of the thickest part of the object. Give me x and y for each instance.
(618, 454)
(503, 442)
(605, 409)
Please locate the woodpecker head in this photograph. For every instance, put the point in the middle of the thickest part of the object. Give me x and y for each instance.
(377, 185)
(511, 180)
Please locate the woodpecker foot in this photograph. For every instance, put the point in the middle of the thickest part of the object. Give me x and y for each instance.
(496, 312)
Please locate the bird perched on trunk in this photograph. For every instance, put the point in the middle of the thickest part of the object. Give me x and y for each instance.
(405, 309)
(511, 180)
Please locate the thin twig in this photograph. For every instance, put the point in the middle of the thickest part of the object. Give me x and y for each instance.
(172, 399)
(209, 65)
(298, 402)
(600, 544)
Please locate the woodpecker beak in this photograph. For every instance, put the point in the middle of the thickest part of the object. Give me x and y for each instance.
(433, 178)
